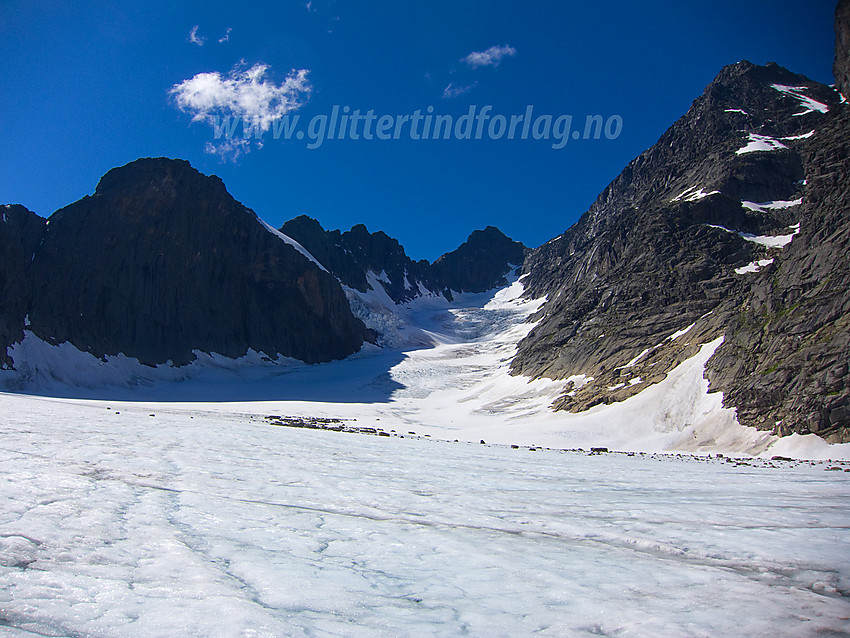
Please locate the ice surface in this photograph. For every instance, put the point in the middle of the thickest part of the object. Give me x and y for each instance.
(449, 379)
(160, 502)
(809, 105)
(168, 520)
(759, 143)
(736, 111)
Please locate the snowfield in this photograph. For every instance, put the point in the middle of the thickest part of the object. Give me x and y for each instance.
(162, 502)
(170, 521)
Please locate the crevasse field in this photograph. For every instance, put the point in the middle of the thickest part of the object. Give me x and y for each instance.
(170, 506)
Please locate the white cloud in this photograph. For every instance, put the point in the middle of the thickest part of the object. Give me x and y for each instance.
(194, 38)
(229, 149)
(491, 57)
(452, 90)
(242, 93)
(226, 36)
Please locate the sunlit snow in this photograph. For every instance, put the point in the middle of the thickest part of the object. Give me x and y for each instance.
(693, 194)
(287, 239)
(774, 205)
(640, 356)
(769, 241)
(680, 333)
(809, 105)
(804, 136)
(760, 143)
(161, 520)
(753, 266)
(448, 377)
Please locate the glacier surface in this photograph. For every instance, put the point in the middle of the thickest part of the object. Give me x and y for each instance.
(143, 520)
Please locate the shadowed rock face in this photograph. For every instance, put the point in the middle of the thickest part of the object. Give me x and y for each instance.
(21, 232)
(479, 264)
(654, 255)
(352, 254)
(161, 261)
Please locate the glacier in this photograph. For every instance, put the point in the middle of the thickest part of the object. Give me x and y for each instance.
(141, 519)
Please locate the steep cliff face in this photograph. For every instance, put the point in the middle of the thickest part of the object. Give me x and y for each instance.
(21, 232)
(161, 261)
(479, 264)
(784, 364)
(664, 257)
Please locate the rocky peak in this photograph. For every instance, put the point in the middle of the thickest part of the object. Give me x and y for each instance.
(161, 261)
(328, 248)
(480, 263)
(689, 225)
(353, 254)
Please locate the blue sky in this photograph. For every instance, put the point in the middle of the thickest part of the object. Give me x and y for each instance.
(90, 85)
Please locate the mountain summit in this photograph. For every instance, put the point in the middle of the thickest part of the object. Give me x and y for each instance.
(481, 263)
(694, 241)
(162, 261)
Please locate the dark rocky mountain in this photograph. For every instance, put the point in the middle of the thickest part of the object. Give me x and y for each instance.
(479, 264)
(161, 261)
(21, 233)
(350, 255)
(688, 237)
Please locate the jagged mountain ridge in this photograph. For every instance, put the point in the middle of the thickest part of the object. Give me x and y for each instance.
(677, 243)
(161, 262)
(352, 254)
(481, 263)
